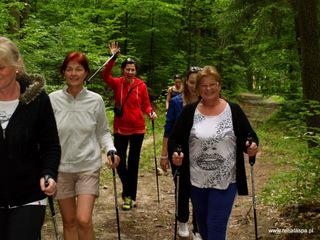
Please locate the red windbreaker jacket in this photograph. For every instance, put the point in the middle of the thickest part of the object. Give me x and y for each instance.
(132, 121)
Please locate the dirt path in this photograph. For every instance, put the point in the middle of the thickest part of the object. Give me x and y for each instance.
(151, 220)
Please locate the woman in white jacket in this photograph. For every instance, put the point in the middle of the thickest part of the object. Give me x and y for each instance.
(83, 132)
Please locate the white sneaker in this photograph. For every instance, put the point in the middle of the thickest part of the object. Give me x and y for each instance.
(183, 229)
(196, 236)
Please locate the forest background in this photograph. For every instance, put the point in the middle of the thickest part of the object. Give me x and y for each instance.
(266, 47)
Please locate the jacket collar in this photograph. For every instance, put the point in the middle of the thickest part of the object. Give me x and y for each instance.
(30, 87)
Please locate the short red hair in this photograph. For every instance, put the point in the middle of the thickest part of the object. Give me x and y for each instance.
(78, 57)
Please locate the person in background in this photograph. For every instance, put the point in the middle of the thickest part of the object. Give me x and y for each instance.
(29, 146)
(188, 95)
(84, 133)
(174, 90)
(131, 101)
(213, 134)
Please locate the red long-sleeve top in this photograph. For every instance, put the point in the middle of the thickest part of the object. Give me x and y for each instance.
(132, 121)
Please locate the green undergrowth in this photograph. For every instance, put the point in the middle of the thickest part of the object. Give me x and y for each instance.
(296, 181)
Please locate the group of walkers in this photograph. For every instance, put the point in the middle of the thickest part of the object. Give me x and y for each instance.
(51, 145)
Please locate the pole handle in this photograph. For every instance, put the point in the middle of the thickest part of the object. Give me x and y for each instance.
(252, 160)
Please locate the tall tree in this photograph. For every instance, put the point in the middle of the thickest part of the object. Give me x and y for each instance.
(308, 32)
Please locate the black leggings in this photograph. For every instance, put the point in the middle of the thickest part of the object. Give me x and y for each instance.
(22, 222)
(184, 194)
(128, 173)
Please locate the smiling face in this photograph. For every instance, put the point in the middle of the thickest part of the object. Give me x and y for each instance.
(208, 84)
(10, 64)
(7, 75)
(209, 88)
(75, 74)
(191, 83)
(129, 71)
(178, 83)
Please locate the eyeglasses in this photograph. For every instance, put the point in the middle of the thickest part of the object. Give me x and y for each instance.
(210, 85)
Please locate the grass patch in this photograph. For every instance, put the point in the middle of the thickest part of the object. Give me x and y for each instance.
(297, 181)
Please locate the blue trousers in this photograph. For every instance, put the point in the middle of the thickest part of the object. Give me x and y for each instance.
(213, 208)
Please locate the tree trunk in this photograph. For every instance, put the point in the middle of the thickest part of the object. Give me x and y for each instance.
(310, 55)
(125, 52)
(152, 56)
(14, 12)
(25, 13)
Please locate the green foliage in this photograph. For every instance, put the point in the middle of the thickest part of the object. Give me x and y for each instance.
(147, 153)
(292, 116)
(5, 17)
(166, 37)
(297, 181)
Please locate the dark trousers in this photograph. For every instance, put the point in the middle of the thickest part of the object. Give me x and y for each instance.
(22, 222)
(184, 194)
(128, 172)
(213, 208)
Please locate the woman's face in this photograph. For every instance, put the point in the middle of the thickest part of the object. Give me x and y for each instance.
(191, 83)
(178, 83)
(75, 74)
(209, 88)
(7, 75)
(129, 71)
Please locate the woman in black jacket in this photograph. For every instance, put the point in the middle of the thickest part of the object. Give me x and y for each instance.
(213, 134)
(29, 146)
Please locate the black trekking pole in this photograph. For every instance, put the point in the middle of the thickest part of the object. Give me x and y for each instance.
(177, 177)
(53, 212)
(108, 60)
(155, 161)
(252, 160)
(115, 195)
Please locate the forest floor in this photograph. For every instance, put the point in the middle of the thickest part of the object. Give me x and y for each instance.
(150, 220)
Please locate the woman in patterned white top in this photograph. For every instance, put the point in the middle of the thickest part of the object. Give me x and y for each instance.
(213, 134)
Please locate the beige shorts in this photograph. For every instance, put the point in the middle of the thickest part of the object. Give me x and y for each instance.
(74, 184)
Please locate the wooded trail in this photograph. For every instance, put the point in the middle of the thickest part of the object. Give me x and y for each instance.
(151, 220)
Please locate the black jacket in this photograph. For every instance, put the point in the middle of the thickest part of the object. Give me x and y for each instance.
(29, 147)
(242, 129)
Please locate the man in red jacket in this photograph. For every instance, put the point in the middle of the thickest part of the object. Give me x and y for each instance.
(131, 100)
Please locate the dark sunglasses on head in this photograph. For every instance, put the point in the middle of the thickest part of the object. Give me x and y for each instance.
(195, 69)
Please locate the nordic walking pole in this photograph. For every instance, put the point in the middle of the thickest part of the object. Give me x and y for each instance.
(51, 206)
(252, 160)
(155, 160)
(115, 195)
(95, 73)
(177, 176)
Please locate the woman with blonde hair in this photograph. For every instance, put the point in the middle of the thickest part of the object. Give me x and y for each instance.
(29, 146)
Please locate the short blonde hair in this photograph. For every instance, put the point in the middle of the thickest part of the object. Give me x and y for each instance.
(207, 71)
(10, 55)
